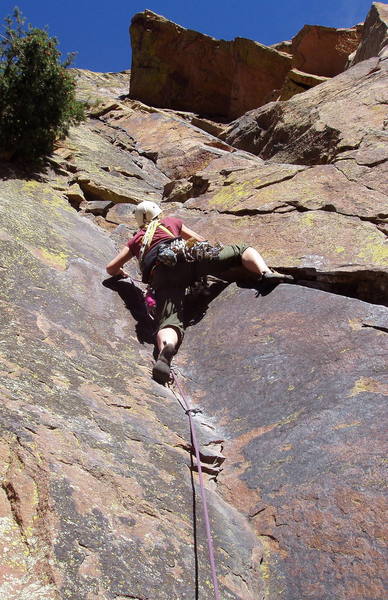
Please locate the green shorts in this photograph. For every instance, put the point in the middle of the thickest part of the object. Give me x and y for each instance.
(170, 283)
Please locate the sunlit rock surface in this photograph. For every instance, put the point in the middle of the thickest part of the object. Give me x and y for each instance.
(182, 69)
(98, 498)
(374, 41)
(324, 51)
(317, 126)
(178, 68)
(296, 379)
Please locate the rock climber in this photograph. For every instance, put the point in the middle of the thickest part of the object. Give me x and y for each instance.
(172, 257)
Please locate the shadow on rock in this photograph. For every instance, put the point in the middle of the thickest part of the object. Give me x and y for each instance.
(198, 300)
(244, 279)
(262, 288)
(133, 298)
(18, 169)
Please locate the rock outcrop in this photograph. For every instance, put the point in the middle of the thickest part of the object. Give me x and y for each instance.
(375, 35)
(181, 69)
(324, 51)
(96, 493)
(177, 68)
(338, 116)
(297, 82)
(301, 467)
(98, 489)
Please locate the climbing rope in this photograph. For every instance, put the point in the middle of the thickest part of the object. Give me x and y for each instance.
(181, 397)
(190, 411)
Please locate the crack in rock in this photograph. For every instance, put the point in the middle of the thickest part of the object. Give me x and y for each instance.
(126, 597)
(368, 284)
(295, 205)
(269, 536)
(377, 327)
(14, 502)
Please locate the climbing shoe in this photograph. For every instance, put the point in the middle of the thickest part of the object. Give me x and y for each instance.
(161, 371)
(276, 277)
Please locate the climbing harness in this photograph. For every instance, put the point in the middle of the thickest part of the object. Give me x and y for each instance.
(190, 251)
(181, 397)
(170, 251)
(175, 249)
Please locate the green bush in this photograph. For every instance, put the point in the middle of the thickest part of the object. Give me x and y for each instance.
(37, 92)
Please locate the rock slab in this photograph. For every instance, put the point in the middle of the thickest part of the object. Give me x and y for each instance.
(303, 418)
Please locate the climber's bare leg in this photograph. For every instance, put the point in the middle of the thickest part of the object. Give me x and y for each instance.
(167, 335)
(167, 343)
(254, 262)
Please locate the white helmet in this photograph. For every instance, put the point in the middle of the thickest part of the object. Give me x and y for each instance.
(145, 212)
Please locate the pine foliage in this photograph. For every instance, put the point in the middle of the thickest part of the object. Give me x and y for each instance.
(37, 92)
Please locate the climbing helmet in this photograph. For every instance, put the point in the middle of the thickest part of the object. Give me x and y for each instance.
(146, 211)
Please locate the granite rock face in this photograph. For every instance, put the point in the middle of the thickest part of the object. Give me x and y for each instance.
(99, 494)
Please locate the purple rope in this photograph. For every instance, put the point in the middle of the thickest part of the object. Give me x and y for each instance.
(202, 488)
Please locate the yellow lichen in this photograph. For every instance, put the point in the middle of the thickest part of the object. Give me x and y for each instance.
(308, 219)
(55, 201)
(265, 339)
(31, 185)
(272, 580)
(367, 384)
(345, 425)
(232, 195)
(355, 324)
(57, 260)
(290, 418)
(375, 251)
(61, 381)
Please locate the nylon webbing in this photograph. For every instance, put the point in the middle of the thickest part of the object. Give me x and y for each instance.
(149, 234)
(183, 402)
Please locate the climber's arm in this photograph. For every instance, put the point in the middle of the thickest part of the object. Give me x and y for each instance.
(115, 267)
(189, 233)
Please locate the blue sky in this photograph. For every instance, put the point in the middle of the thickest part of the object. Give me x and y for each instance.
(98, 29)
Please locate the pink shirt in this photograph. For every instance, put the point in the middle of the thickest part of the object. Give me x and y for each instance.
(172, 223)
